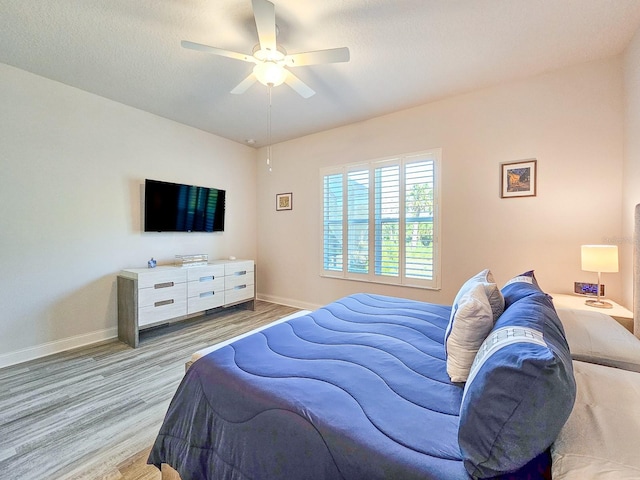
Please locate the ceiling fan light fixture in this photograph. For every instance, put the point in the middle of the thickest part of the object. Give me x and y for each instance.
(271, 61)
(269, 55)
(270, 73)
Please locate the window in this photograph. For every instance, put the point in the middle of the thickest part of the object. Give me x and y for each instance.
(379, 221)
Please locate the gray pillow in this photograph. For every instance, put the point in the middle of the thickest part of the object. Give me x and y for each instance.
(595, 337)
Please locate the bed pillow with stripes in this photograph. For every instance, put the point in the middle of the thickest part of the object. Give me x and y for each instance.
(520, 389)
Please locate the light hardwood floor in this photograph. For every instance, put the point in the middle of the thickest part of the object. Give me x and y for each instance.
(82, 413)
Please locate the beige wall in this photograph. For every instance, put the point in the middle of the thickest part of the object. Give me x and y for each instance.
(73, 165)
(570, 120)
(631, 185)
(72, 169)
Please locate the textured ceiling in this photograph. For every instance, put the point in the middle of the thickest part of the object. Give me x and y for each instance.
(403, 53)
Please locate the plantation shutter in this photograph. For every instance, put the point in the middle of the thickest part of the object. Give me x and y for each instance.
(358, 221)
(332, 224)
(381, 217)
(419, 188)
(387, 214)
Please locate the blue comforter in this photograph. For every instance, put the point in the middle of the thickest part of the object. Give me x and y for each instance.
(355, 390)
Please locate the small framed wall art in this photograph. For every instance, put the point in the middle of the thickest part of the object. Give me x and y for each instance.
(284, 201)
(518, 179)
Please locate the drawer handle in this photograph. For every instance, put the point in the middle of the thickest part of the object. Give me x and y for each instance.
(163, 302)
(239, 287)
(163, 285)
(208, 278)
(241, 272)
(207, 294)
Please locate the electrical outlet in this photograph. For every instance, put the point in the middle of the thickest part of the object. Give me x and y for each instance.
(583, 288)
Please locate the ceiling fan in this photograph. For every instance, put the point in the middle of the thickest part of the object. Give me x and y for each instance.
(271, 61)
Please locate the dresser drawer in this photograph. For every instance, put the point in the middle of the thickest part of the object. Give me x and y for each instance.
(205, 301)
(205, 285)
(233, 281)
(159, 276)
(163, 310)
(166, 291)
(199, 273)
(238, 293)
(239, 268)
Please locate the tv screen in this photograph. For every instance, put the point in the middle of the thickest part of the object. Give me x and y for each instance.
(173, 207)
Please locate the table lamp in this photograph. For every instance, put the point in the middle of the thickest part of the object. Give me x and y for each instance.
(601, 259)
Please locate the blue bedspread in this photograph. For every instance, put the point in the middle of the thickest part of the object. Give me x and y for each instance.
(355, 390)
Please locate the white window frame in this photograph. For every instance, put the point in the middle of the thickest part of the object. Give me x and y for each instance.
(401, 279)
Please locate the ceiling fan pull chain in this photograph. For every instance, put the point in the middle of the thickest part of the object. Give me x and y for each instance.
(269, 130)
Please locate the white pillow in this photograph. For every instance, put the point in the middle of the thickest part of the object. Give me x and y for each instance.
(494, 295)
(470, 323)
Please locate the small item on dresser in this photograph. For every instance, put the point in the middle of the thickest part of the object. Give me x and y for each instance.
(152, 263)
(192, 260)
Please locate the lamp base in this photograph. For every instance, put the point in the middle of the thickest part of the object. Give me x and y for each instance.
(598, 304)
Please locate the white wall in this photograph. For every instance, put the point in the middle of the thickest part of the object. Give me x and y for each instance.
(570, 120)
(631, 187)
(72, 166)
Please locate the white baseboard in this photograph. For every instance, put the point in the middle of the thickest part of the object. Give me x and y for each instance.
(288, 302)
(58, 346)
(31, 353)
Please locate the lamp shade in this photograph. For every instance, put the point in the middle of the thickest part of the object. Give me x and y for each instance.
(599, 258)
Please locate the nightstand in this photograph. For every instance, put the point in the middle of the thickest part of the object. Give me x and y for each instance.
(618, 312)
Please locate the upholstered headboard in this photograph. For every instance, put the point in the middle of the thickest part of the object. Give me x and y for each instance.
(636, 273)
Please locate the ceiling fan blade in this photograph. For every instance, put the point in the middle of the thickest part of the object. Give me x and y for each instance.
(298, 85)
(245, 84)
(332, 55)
(265, 15)
(217, 51)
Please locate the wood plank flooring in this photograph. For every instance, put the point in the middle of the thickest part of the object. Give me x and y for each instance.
(82, 413)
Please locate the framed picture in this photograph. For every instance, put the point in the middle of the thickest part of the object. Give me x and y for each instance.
(284, 201)
(518, 179)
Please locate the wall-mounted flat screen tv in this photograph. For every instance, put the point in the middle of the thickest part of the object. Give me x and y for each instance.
(173, 207)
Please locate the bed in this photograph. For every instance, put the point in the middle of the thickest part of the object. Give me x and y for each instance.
(498, 385)
(601, 437)
(364, 388)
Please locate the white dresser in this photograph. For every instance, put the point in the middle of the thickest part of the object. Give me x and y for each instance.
(151, 296)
